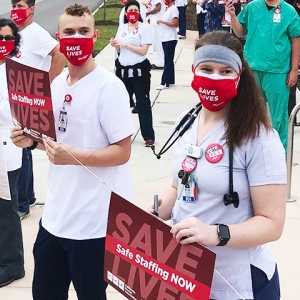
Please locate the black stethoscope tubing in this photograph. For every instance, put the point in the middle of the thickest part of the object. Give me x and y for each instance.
(186, 122)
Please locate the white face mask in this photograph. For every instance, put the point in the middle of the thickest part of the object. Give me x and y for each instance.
(76, 35)
(214, 76)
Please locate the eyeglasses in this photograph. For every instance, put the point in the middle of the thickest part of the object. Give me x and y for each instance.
(6, 37)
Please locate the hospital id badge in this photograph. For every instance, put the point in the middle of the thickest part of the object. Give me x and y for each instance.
(188, 194)
(276, 15)
(62, 121)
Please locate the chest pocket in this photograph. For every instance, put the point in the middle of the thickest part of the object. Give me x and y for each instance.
(78, 133)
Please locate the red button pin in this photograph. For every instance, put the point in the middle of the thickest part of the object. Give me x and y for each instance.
(189, 164)
(214, 153)
(68, 98)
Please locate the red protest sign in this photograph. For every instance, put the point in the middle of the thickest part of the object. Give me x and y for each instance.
(143, 261)
(30, 100)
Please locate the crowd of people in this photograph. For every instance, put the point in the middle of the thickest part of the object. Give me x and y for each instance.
(244, 119)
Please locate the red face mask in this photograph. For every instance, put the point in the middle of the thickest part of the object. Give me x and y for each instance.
(215, 91)
(167, 2)
(19, 15)
(5, 48)
(132, 16)
(76, 48)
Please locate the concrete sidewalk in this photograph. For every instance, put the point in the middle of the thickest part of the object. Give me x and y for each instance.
(151, 176)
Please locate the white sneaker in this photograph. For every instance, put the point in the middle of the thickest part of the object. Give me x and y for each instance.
(162, 87)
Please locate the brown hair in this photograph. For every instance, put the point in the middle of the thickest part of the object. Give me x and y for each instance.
(247, 112)
(77, 10)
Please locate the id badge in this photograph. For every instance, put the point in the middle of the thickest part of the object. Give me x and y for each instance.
(188, 191)
(277, 15)
(62, 121)
(276, 18)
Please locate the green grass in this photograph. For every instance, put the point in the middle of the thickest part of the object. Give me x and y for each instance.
(109, 26)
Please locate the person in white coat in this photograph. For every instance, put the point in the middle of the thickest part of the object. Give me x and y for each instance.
(155, 11)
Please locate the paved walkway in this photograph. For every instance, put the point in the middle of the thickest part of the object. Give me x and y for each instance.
(151, 176)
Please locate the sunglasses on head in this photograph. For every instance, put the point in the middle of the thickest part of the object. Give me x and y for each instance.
(6, 37)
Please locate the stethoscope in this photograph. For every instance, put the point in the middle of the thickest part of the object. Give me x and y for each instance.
(185, 124)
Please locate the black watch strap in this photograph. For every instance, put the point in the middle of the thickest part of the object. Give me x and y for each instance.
(223, 233)
(34, 145)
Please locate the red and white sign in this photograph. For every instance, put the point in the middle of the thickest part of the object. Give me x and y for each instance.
(144, 261)
(30, 100)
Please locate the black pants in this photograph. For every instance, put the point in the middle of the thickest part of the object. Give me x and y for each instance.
(137, 85)
(58, 261)
(182, 20)
(200, 23)
(11, 242)
(168, 76)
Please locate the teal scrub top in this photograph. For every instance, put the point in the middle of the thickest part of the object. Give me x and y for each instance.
(268, 45)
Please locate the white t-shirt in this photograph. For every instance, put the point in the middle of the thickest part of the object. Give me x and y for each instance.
(258, 162)
(36, 44)
(141, 35)
(158, 16)
(199, 9)
(142, 12)
(12, 153)
(77, 203)
(180, 3)
(169, 33)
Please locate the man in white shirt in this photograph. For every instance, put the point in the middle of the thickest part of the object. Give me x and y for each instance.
(38, 50)
(71, 240)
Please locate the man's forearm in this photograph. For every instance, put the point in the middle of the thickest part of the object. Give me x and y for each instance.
(295, 58)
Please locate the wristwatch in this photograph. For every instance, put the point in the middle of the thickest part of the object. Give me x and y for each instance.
(223, 233)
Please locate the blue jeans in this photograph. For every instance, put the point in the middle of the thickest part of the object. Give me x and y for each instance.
(182, 20)
(11, 242)
(58, 261)
(25, 184)
(168, 76)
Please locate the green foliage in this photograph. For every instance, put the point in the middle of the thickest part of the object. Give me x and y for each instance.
(191, 18)
(107, 21)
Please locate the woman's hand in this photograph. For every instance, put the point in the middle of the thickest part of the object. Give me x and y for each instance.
(192, 230)
(112, 42)
(19, 139)
(229, 8)
(119, 43)
(160, 22)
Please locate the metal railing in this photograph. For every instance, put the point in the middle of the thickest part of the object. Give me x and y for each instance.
(289, 160)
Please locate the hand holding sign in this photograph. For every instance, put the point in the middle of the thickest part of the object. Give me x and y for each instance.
(192, 230)
(19, 139)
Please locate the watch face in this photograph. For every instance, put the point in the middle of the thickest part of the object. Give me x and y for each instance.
(224, 232)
